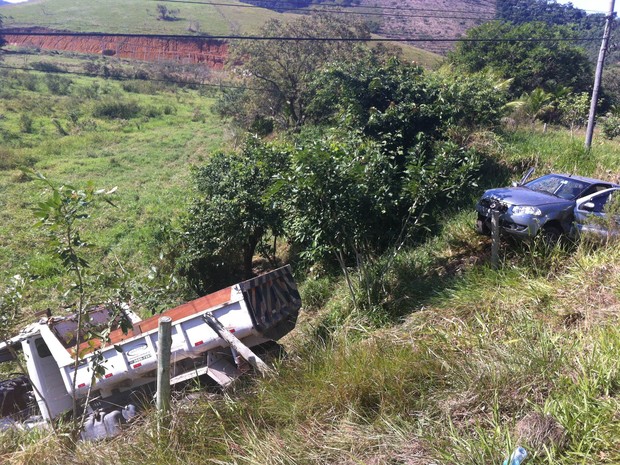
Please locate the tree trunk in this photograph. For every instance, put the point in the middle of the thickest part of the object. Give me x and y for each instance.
(248, 253)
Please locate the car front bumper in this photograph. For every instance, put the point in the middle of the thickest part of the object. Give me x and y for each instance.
(523, 226)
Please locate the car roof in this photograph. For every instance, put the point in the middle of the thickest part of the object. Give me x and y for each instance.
(584, 179)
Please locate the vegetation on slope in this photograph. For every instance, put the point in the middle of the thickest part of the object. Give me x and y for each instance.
(527, 354)
(451, 361)
(138, 136)
(586, 24)
(136, 16)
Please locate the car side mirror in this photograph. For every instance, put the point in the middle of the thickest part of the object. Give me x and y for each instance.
(515, 184)
(588, 206)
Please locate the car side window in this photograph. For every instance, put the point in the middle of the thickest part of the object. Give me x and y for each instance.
(599, 202)
(594, 188)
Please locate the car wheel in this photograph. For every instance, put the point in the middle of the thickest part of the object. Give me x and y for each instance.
(551, 234)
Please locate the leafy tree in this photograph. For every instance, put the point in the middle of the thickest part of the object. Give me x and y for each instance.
(610, 125)
(278, 72)
(352, 198)
(401, 104)
(552, 13)
(611, 85)
(231, 215)
(62, 215)
(574, 110)
(558, 14)
(535, 63)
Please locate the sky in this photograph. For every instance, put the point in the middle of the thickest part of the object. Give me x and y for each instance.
(595, 5)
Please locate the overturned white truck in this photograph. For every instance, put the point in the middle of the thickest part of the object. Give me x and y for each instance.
(256, 312)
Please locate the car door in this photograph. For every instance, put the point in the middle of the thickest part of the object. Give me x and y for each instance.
(591, 214)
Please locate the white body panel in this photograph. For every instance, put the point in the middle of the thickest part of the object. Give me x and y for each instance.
(191, 337)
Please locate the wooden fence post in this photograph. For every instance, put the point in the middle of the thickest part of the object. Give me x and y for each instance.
(495, 239)
(164, 345)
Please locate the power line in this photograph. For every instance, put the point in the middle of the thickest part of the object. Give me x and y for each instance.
(294, 39)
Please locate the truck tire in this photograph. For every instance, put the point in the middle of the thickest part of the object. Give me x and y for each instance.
(107, 424)
(15, 395)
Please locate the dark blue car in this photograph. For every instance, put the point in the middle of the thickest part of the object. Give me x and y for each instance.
(545, 205)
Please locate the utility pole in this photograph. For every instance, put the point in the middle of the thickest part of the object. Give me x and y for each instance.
(599, 74)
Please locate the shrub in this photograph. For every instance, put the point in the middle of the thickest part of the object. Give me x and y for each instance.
(142, 87)
(47, 67)
(117, 109)
(152, 111)
(26, 123)
(58, 85)
(28, 81)
(10, 160)
(610, 125)
(316, 292)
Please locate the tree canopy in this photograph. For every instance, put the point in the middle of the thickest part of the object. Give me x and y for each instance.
(552, 13)
(278, 72)
(538, 62)
(230, 214)
(383, 152)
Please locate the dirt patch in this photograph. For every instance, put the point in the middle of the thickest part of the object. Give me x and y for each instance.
(541, 432)
(193, 50)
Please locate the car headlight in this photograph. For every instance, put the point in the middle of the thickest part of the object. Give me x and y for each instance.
(526, 210)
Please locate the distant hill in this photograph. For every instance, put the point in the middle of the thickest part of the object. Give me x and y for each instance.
(588, 25)
(403, 19)
(439, 19)
(140, 16)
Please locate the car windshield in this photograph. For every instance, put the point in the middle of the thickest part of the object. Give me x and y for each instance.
(565, 188)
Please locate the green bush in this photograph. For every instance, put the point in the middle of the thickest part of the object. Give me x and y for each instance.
(610, 125)
(26, 123)
(47, 67)
(142, 87)
(117, 109)
(28, 81)
(58, 85)
(10, 160)
(316, 292)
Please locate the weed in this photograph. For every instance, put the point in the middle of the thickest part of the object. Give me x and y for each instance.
(117, 109)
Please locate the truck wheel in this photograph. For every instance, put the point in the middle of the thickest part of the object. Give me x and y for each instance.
(14, 395)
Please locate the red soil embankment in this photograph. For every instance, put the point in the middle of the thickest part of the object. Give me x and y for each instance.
(210, 52)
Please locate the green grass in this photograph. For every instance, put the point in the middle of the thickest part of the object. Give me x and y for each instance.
(147, 157)
(492, 359)
(458, 364)
(140, 16)
(135, 16)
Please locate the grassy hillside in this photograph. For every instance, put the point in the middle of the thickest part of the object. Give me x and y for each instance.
(140, 16)
(135, 16)
(484, 360)
(458, 364)
(66, 136)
